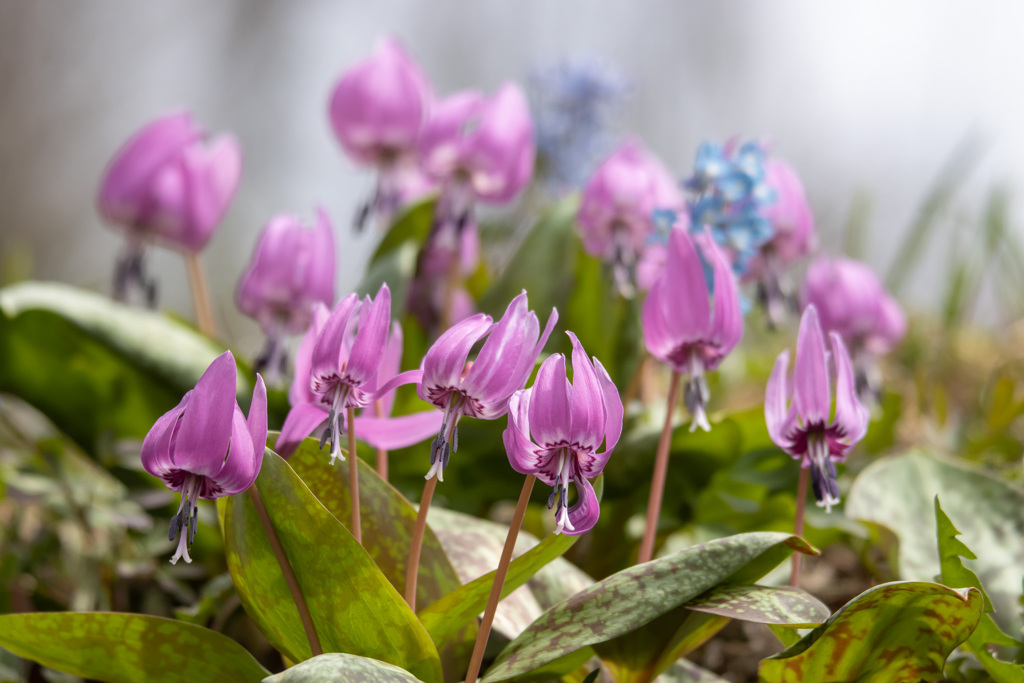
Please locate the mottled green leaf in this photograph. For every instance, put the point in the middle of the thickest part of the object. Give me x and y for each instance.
(476, 545)
(127, 648)
(346, 668)
(387, 520)
(637, 596)
(956, 575)
(896, 632)
(354, 607)
(98, 369)
(899, 493)
(763, 605)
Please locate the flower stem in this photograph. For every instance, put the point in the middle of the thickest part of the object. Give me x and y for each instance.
(416, 543)
(200, 294)
(382, 454)
(499, 581)
(289, 573)
(353, 475)
(658, 480)
(798, 524)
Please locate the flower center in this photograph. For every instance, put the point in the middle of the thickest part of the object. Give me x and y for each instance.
(559, 496)
(186, 519)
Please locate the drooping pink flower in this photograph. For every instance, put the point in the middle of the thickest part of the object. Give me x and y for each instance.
(205, 447)
(692, 317)
(482, 388)
(309, 412)
(852, 301)
(555, 429)
(167, 185)
(804, 428)
(616, 212)
(377, 111)
(292, 268)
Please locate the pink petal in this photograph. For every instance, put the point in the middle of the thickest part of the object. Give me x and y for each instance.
(205, 431)
(501, 156)
(688, 308)
(551, 404)
(391, 433)
(371, 340)
(442, 141)
(302, 419)
(811, 394)
(656, 335)
(507, 357)
(588, 409)
(242, 463)
(329, 351)
(613, 418)
(319, 278)
(156, 455)
(851, 415)
(299, 392)
(522, 453)
(585, 513)
(212, 177)
(407, 377)
(727, 322)
(257, 419)
(444, 362)
(390, 366)
(775, 411)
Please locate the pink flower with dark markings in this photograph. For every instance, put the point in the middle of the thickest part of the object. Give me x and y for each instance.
(205, 447)
(555, 429)
(692, 317)
(482, 388)
(803, 429)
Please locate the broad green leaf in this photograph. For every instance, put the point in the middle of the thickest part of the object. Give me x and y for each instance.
(98, 369)
(394, 260)
(895, 632)
(127, 648)
(899, 492)
(956, 575)
(638, 595)
(763, 605)
(336, 666)
(411, 225)
(354, 607)
(387, 520)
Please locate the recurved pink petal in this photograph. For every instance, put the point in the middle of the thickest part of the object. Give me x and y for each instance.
(391, 433)
(776, 414)
(811, 393)
(551, 404)
(522, 453)
(585, 513)
(613, 417)
(371, 340)
(257, 420)
(156, 454)
(588, 407)
(506, 356)
(329, 352)
(302, 419)
(727, 321)
(212, 176)
(444, 361)
(389, 367)
(656, 335)
(501, 152)
(851, 415)
(299, 392)
(687, 309)
(242, 463)
(205, 430)
(442, 141)
(402, 378)
(319, 277)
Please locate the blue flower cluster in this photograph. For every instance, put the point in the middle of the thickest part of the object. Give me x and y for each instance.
(574, 102)
(729, 189)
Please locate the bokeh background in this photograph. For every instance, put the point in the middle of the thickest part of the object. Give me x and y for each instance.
(870, 101)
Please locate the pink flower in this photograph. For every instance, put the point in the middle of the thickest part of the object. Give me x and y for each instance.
(205, 447)
(555, 429)
(692, 317)
(378, 106)
(309, 411)
(803, 429)
(292, 268)
(616, 213)
(480, 389)
(166, 184)
(852, 301)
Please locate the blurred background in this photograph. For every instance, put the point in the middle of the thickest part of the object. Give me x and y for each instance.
(872, 102)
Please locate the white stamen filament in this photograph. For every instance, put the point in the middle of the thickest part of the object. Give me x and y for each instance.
(336, 427)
